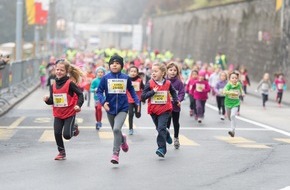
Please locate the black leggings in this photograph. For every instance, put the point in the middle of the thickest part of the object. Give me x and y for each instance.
(192, 104)
(133, 109)
(175, 120)
(63, 127)
(221, 104)
(265, 99)
(279, 97)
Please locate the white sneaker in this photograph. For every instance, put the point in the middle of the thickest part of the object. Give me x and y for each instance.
(222, 117)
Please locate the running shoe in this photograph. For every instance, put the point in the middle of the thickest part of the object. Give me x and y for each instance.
(115, 158)
(76, 131)
(131, 131)
(176, 143)
(60, 156)
(160, 152)
(168, 138)
(124, 145)
(232, 133)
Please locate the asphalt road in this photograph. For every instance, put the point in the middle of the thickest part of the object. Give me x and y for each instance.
(257, 158)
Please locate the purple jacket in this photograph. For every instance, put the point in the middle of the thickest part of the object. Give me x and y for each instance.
(219, 87)
(179, 87)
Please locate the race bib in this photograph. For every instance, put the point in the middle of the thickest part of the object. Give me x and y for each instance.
(60, 100)
(243, 77)
(136, 86)
(199, 87)
(280, 86)
(234, 94)
(265, 86)
(160, 97)
(117, 86)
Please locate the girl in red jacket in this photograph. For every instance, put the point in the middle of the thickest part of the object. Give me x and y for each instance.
(138, 85)
(159, 104)
(66, 99)
(200, 89)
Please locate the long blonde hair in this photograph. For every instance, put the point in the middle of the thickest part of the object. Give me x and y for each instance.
(74, 72)
(162, 67)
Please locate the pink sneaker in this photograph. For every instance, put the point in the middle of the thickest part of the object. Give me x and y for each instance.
(115, 158)
(124, 145)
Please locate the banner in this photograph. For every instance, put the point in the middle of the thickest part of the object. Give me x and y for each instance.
(279, 4)
(37, 11)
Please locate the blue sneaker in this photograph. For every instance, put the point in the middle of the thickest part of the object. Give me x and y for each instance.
(169, 139)
(160, 152)
(131, 131)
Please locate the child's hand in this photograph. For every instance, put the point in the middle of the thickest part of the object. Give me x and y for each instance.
(45, 98)
(178, 104)
(106, 106)
(77, 108)
(155, 88)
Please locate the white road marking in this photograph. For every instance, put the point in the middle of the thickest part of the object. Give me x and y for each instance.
(255, 123)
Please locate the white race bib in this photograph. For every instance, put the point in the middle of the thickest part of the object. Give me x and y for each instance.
(160, 97)
(136, 86)
(60, 100)
(199, 87)
(117, 86)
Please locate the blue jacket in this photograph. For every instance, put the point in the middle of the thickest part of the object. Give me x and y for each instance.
(118, 102)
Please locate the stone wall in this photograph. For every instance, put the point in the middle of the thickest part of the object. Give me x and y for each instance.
(249, 33)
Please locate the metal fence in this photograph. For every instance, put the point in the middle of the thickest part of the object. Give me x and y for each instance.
(17, 78)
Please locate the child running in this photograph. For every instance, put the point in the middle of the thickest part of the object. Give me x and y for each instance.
(67, 99)
(264, 86)
(192, 105)
(200, 89)
(173, 74)
(220, 97)
(280, 85)
(114, 85)
(100, 72)
(138, 85)
(157, 91)
(233, 90)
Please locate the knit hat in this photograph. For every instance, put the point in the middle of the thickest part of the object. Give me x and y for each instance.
(100, 68)
(117, 58)
(202, 73)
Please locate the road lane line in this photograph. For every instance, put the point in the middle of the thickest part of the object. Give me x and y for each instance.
(242, 142)
(184, 141)
(285, 140)
(6, 134)
(144, 128)
(255, 123)
(105, 135)
(16, 123)
(48, 136)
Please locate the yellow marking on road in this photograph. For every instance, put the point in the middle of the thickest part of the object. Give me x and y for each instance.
(235, 140)
(48, 136)
(127, 123)
(42, 120)
(16, 123)
(106, 135)
(186, 142)
(252, 146)
(79, 120)
(6, 134)
(242, 142)
(282, 140)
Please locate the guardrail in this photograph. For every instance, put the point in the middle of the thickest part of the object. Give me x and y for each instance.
(17, 78)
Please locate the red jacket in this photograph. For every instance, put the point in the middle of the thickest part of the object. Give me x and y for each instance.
(137, 87)
(63, 103)
(159, 106)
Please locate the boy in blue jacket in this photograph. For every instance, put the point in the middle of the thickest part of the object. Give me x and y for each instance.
(115, 102)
